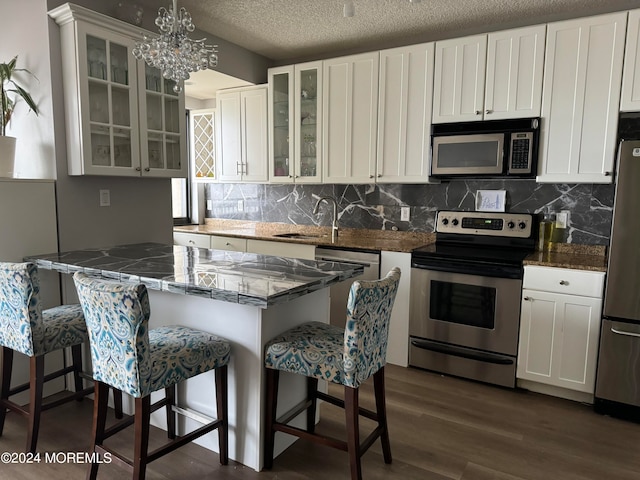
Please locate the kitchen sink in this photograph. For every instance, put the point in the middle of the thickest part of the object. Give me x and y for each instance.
(298, 235)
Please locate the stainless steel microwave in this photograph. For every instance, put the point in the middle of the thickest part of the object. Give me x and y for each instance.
(492, 149)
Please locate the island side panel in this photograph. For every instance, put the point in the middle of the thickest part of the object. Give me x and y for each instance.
(248, 328)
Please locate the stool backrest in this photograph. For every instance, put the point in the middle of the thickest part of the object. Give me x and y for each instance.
(21, 327)
(366, 331)
(117, 317)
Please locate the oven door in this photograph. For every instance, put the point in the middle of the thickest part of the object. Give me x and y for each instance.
(473, 154)
(472, 311)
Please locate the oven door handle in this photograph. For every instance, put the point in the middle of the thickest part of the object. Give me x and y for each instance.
(461, 352)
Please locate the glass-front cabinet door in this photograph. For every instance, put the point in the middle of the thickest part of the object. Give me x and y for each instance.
(122, 117)
(295, 123)
(308, 112)
(162, 126)
(109, 105)
(280, 99)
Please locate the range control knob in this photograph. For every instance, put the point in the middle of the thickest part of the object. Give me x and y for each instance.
(522, 225)
(445, 221)
(454, 221)
(511, 225)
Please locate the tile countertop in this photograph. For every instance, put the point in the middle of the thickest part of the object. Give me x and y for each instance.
(389, 240)
(235, 277)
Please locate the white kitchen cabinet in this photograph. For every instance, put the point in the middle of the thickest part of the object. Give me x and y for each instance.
(559, 330)
(404, 114)
(489, 77)
(630, 97)
(581, 94)
(234, 244)
(202, 143)
(281, 249)
(242, 134)
(192, 239)
(458, 88)
(398, 346)
(122, 117)
(350, 115)
(295, 123)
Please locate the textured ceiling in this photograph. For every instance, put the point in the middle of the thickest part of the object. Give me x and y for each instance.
(294, 30)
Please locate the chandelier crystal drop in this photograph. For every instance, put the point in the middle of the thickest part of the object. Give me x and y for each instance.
(173, 52)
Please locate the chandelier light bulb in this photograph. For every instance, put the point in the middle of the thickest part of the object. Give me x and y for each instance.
(173, 52)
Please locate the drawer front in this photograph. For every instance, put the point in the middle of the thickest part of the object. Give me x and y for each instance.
(564, 280)
(191, 239)
(282, 249)
(229, 243)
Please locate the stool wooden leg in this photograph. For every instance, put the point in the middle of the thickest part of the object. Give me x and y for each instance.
(381, 410)
(170, 393)
(5, 386)
(222, 407)
(35, 400)
(312, 391)
(76, 358)
(117, 402)
(270, 415)
(141, 427)
(353, 431)
(100, 407)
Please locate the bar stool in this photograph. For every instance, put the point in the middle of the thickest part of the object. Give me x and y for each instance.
(347, 357)
(27, 329)
(128, 356)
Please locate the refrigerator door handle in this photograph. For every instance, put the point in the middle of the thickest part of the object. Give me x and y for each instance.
(622, 332)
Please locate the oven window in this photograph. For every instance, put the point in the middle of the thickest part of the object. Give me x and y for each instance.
(472, 305)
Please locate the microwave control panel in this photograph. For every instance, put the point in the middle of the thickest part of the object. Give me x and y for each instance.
(499, 224)
(520, 153)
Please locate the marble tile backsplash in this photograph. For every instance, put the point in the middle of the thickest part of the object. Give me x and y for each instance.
(378, 206)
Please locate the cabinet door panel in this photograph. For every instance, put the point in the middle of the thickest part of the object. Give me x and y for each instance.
(582, 78)
(538, 327)
(229, 138)
(630, 98)
(253, 118)
(515, 62)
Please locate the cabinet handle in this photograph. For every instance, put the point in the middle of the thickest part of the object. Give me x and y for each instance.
(290, 176)
(379, 175)
(138, 169)
(227, 244)
(297, 176)
(192, 242)
(371, 176)
(607, 174)
(478, 112)
(564, 282)
(147, 169)
(527, 299)
(488, 111)
(238, 168)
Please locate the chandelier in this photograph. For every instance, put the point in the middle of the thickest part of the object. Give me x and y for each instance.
(173, 52)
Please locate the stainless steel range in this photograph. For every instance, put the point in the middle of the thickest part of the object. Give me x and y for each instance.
(465, 295)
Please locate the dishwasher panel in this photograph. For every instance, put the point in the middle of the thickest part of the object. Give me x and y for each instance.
(340, 291)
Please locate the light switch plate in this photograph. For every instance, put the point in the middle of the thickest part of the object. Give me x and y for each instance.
(105, 198)
(562, 218)
(405, 214)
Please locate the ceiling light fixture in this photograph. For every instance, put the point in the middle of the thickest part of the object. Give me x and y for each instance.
(173, 52)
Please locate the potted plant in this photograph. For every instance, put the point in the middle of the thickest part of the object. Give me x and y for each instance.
(10, 93)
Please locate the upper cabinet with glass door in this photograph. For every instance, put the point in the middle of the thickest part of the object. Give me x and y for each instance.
(122, 118)
(295, 123)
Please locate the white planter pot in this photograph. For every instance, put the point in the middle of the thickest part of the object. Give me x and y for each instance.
(7, 156)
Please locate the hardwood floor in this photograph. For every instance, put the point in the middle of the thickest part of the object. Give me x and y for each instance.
(441, 428)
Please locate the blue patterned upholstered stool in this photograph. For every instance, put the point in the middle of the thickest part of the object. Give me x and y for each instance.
(347, 357)
(27, 329)
(128, 356)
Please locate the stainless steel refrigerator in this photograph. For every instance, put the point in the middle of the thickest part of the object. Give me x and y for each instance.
(618, 375)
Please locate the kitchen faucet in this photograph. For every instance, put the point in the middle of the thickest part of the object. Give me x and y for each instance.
(334, 223)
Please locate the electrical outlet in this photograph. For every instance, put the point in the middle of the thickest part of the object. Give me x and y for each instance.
(105, 198)
(405, 214)
(241, 205)
(562, 219)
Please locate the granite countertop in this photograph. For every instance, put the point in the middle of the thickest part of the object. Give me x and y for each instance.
(568, 255)
(235, 277)
(389, 240)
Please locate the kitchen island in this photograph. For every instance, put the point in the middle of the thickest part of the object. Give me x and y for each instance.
(246, 298)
